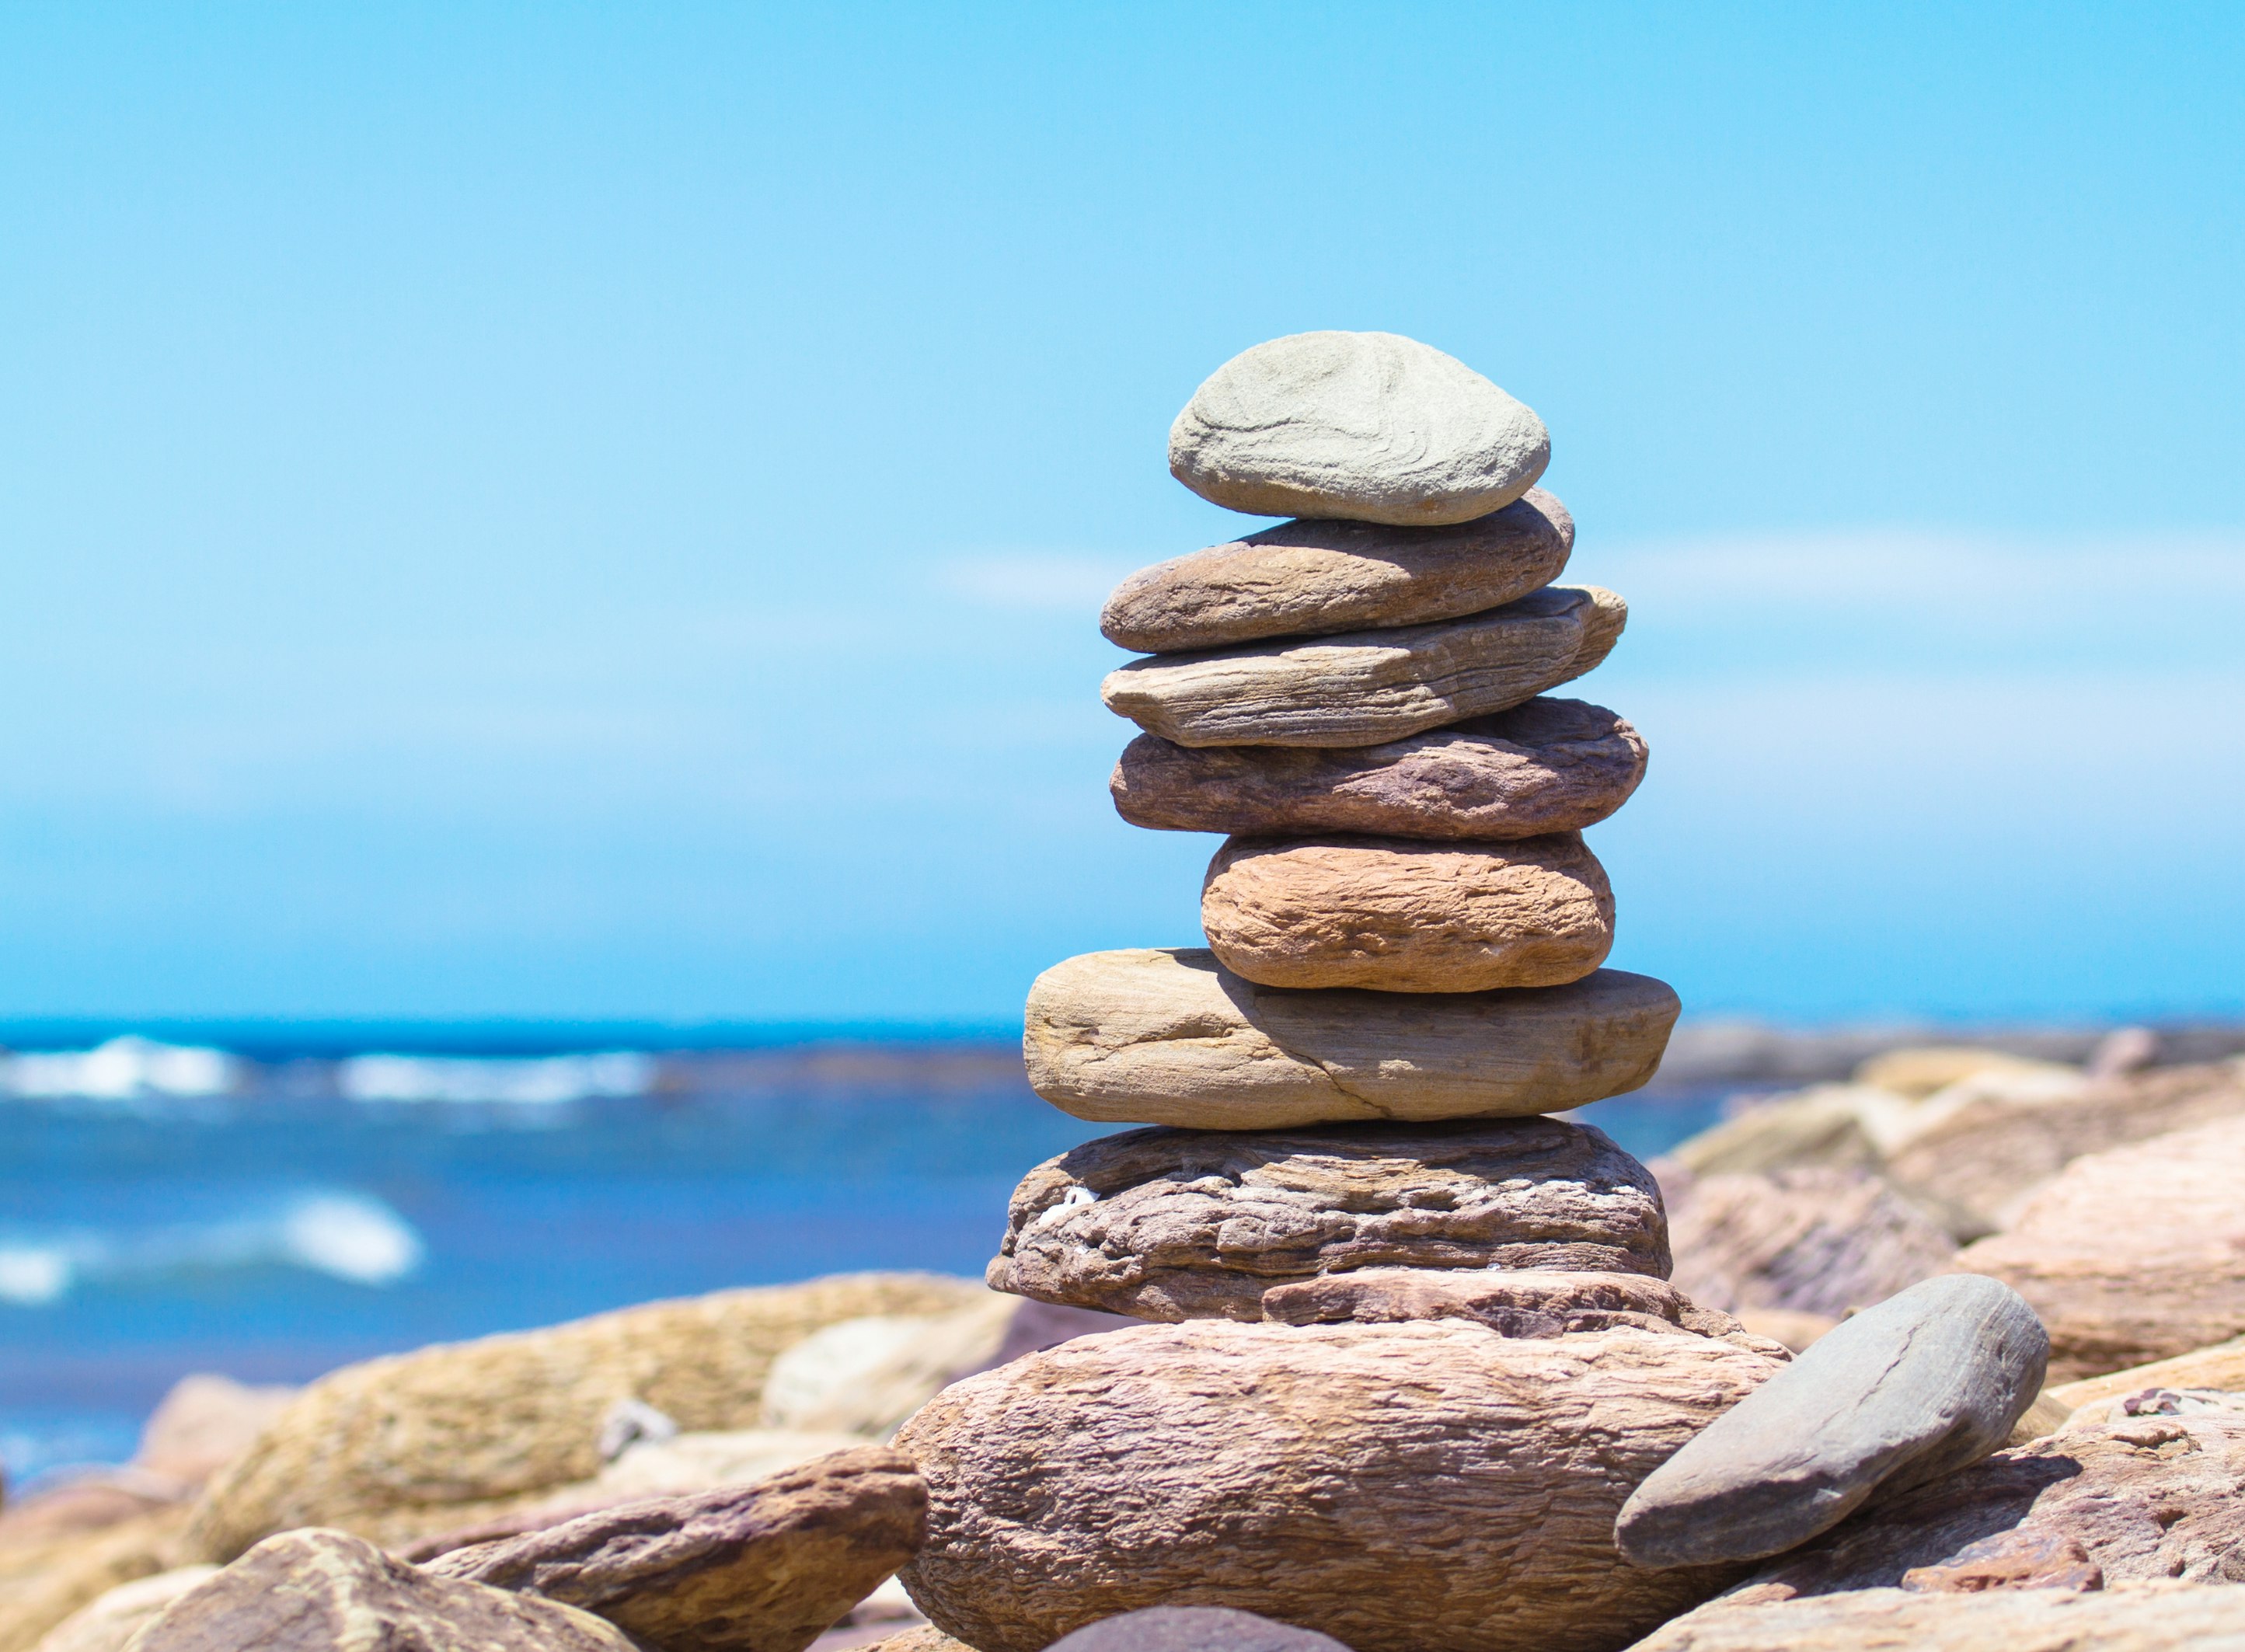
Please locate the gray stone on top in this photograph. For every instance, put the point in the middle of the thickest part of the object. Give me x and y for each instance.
(1366, 427)
(1314, 577)
(1194, 1628)
(1928, 1381)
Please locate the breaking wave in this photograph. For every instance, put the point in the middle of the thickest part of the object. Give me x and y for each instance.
(536, 1081)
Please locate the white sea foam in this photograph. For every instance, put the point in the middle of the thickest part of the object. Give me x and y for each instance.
(540, 1082)
(124, 1069)
(344, 1235)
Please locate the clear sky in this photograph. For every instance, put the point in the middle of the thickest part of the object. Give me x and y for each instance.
(599, 511)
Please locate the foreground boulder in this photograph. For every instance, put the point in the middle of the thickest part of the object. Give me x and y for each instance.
(2132, 1255)
(753, 1568)
(1182, 1224)
(1168, 1036)
(1547, 766)
(1399, 1485)
(1194, 1629)
(2142, 1617)
(1921, 1385)
(1314, 578)
(418, 1443)
(1396, 916)
(321, 1591)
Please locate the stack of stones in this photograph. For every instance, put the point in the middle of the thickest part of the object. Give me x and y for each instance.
(1418, 1345)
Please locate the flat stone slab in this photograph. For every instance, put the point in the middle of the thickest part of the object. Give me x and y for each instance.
(1370, 426)
(1391, 914)
(1180, 1224)
(2142, 1617)
(763, 1568)
(1923, 1384)
(1311, 579)
(1194, 1628)
(1362, 688)
(1544, 766)
(1168, 1036)
(1402, 1487)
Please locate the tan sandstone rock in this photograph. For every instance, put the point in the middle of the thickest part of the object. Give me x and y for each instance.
(1170, 1036)
(1361, 687)
(924, 1637)
(424, 1442)
(2142, 1617)
(1545, 766)
(2132, 1255)
(45, 1582)
(1179, 1224)
(1389, 915)
(1312, 577)
(110, 1623)
(2220, 1366)
(204, 1423)
(1396, 1485)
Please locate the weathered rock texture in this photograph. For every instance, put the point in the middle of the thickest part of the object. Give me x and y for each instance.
(1183, 1224)
(1399, 1487)
(1546, 765)
(323, 1591)
(1361, 687)
(110, 1623)
(1919, 1386)
(2220, 1366)
(865, 1376)
(753, 1568)
(203, 1424)
(1312, 578)
(1194, 1629)
(1371, 427)
(2134, 1255)
(924, 1638)
(2146, 1617)
(46, 1579)
(1808, 1241)
(454, 1427)
(1394, 916)
(1170, 1036)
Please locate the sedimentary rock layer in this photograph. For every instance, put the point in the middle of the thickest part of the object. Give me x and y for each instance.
(1398, 1486)
(1311, 579)
(1371, 427)
(1511, 1304)
(1170, 1036)
(1177, 1224)
(1362, 688)
(2143, 1617)
(1394, 916)
(1546, 765)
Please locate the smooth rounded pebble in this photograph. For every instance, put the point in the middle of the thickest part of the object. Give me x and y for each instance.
(1168, 1036)
(1309, 578)
(1928, 1381)
(1365, 686)
(1194, 1628)
(1402, 1487)
(1368, 427)
(1390, 915)
(1188, 1224)
(1545, 766)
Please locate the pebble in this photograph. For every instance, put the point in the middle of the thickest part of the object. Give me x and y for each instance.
(1194, 1628)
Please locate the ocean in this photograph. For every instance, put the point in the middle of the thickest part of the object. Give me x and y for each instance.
(272, 1211)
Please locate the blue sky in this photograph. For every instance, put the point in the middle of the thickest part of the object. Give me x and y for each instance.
(599, 511)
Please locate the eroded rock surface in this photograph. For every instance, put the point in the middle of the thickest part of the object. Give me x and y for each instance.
(2144, 1617)
(1400, 1486)
(1177, 1224)
(1161, 1036)
(1361, 687)
(1546, 765)
(1805, 1241)
(1390, 915)
(1370, 426)
(1512, 1304)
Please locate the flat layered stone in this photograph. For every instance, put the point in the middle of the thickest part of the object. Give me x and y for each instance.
(1361, 687)
(1402, 1487)
(1370, 426)
(1181, 1224)
(2142, 1617)
(1545, 766)
(1311, 579)
(1920, 1385)
(1168, 1036)
(1391, 914)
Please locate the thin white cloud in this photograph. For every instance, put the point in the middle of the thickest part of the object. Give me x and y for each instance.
(1044, 582)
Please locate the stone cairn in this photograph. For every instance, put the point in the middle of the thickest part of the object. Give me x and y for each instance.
(1415, 1350)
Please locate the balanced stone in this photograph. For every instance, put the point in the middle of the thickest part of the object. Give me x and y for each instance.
(1402, 1487)
(1364, 687)
(1544, 766)
(1510, 1303)
(1371, 427)
(1168, 1036)
(1184, 1224)
(1923, 1384)
(1305, 578)
(1394, 916)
